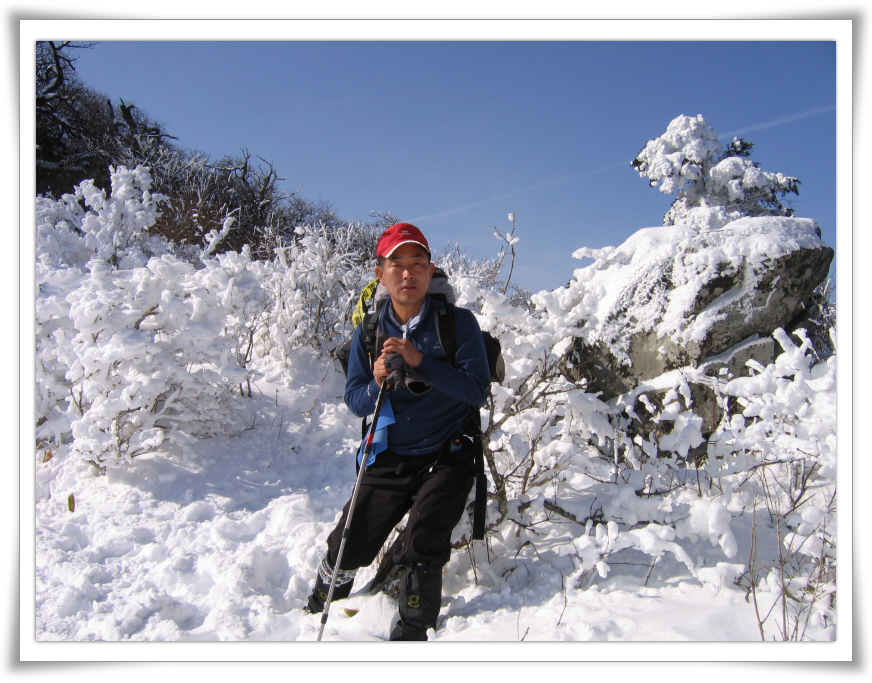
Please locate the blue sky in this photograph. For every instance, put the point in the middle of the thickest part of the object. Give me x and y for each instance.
(453, 136)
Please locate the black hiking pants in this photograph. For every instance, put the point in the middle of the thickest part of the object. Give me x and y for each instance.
(432, 488)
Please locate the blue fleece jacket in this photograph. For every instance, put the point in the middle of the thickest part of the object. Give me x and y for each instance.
(423, 423)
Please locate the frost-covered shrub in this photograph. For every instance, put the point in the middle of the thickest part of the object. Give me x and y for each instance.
(784, 415)
(458, 264)
(780, 425)
(311, 286)
(54, 329)
(86, 224)
(536, 422)
(135, 346)
(132, 350)
(774, 448)
(153, 356)
(70, 232)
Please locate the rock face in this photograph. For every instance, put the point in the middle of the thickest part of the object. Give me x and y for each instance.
(676, 296)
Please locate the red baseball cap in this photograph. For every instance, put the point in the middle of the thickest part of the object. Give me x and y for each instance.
(397, 234)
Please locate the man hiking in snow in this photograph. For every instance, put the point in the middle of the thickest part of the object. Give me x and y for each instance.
(427, 467)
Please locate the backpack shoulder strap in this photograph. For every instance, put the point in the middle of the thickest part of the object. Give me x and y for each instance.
(446, 326)
(370, 331)
(372, 341)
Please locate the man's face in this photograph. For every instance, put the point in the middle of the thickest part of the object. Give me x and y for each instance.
(406, 274)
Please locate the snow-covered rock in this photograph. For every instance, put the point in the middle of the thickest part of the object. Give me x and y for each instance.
(672, 297)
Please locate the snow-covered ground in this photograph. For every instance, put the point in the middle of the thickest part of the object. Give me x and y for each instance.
(205, 545)
(224, 546)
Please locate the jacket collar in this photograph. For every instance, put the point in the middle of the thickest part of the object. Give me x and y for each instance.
(414, 322)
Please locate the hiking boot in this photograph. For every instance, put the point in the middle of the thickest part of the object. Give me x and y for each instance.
(342, 589)
(318, 598)
(419, 601)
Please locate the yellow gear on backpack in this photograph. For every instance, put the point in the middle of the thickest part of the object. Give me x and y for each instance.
(360, 310)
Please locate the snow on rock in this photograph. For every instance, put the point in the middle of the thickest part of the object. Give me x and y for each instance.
(673, 296)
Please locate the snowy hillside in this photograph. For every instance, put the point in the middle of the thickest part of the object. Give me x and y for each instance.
(193, 452)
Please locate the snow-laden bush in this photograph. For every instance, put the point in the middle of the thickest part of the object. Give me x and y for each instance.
(774, 450)
(70, 232)
(311, 287)
(152, 354)
(87, 223)
(132, 350)
(458, 264)
(785, 413)
(783, 420)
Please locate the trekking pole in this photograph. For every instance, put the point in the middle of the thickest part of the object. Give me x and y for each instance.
(382, 393)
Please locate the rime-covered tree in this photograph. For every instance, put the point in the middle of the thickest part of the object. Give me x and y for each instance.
(713, 185)
(80, 133)
(60, 154)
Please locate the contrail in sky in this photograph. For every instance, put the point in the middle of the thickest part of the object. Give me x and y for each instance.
(566, 179)
(781, 121)
(544, 183)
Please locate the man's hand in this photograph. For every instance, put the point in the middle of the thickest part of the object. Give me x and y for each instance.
(379, 371)
(405, 348)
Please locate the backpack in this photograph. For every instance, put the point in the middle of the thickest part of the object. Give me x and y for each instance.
(367, 312)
